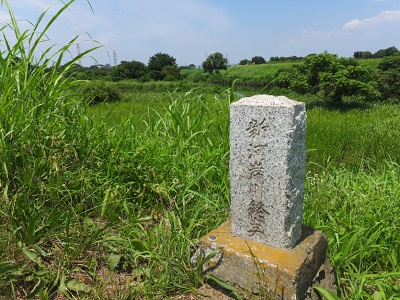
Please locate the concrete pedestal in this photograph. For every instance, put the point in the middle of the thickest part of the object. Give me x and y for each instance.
(269, 271)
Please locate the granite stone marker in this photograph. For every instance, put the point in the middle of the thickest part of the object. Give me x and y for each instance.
(263, 247)
(267, 169)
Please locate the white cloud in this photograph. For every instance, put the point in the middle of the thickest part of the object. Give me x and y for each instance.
(37, 5)
(383, 17)
(359, 34)
(4, 18)
(81, 19)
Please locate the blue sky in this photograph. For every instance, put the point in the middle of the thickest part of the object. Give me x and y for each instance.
(190, 29)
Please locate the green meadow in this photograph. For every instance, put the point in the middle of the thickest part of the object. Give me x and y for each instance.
(108, 201)
(352, 182)
(258, 76)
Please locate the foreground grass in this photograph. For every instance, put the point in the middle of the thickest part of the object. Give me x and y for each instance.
(96, 212)
(359, 213)
(125, 201)
(122, 219)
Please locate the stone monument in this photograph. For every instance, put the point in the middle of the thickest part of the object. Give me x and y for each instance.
(263, 247)
(267, 169)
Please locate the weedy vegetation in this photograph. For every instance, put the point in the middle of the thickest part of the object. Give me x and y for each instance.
(107, 201)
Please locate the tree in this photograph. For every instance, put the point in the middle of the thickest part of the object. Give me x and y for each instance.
(158, 62)
(214, 63)
(391, 50)
(330, 76)
(389, 76)
(385, 52)
(128, 70)
(258, 60)
(244, 62)
(171, 73)
(390, 62)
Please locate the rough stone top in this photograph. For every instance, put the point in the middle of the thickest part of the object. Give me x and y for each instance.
(267, 100)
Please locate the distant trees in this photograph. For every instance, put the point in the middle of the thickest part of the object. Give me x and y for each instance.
(258, 60)
(325, 74)
(378, 54)
(214, 63)
(158, 63)
(244, 62)
(189, 67)
(129, 70)
(161, 67)
(285, 58)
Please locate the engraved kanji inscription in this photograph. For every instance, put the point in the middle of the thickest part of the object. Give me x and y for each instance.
(256, 150)
(256, 169)
(257, 213)
(255, 127)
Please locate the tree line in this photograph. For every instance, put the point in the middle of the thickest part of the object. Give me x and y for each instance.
(258, 60)
(162, 66)
(378, 54)
(324, 74)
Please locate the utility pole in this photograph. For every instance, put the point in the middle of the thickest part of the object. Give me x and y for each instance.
(78, 48)
(115, 58)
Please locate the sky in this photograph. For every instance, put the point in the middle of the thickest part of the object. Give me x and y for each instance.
(189, 30)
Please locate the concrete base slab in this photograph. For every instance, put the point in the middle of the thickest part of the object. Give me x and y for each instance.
(265, 270)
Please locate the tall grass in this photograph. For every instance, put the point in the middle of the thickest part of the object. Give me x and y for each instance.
(82, 201)
(359, 212)
(352, 183)
(350, 136)
(34, 108)
(41, 132)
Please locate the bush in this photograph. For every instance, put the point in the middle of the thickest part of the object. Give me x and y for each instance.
(388, 77)
(94, 92)
(330, 76)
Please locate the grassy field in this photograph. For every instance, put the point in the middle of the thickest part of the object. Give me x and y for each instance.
(372, 63)
(256, 71)
(251, 75)
(352, 165)
(116, 210)
(109, 201)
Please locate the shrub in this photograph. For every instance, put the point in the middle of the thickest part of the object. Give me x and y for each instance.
(388, 77)
(330, 76)
(94, 92)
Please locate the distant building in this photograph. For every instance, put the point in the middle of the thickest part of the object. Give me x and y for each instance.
(362, 54)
